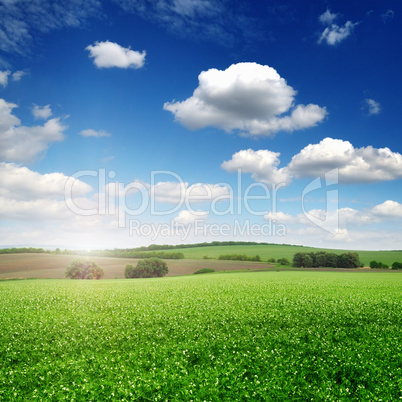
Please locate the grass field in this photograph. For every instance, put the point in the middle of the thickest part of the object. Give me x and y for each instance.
(279, 251)
(54, 266)
(221, 337)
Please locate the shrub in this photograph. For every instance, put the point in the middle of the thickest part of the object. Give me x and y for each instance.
(84, 269)
(271, 260)
(397, 265)
(147, 268)
(283, 261)
(204, 271)
(378, 265)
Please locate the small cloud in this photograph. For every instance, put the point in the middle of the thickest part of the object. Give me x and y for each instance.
(108, 54)
(4, 77)
(41, 112)
(335, 34)
(18, 75)
(327, 18)
(388, 16)
(187, 218)
(373, 106)
(93, 133)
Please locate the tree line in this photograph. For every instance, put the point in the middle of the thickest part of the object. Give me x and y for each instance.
(329, 260)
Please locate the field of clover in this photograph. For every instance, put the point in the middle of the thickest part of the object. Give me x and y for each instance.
(236, 336)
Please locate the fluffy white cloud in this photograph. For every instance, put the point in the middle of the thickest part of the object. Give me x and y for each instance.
(327, 18)
(4, 77)
(20, 183)
(93, 133)
(356, 165)
(373, 106)
(189, 217)
(262, 164)
(176, 192)
(342, 217)
(388, 210)
(27, 210)
(24, 144)
(335, 34)
(246, 97)
(30, 196)
(109, 54)
(41, 112)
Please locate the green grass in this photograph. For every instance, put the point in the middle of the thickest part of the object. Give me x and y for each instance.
(221, 337)
(284, 251)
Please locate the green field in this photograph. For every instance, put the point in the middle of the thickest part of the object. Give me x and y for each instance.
(220, 337)
(278, 251)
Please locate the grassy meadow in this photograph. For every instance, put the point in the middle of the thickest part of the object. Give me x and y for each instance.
(53, 266)
(221, 337)
(285, 251)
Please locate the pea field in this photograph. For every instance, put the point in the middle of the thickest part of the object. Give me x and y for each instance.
(222, 337)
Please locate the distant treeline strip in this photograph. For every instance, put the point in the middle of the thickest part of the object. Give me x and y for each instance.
(239, 257)
(175, 255)
(211, 244)
(21, 250)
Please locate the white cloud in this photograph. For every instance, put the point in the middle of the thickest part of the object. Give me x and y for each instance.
(22, 22)
(327, 18)
(373, 106)
(388, 16)
(388, 210)
(18, 75)
(93, 133)
(262, 164)
(176, 192)
(343, 217)
(108, 54)
(228, 23)
(20, 183)
(24, 144)
(189, 217)
(356, 165)
(30, 196)
(4, 77)
(41, 112)
(246, 97)
(280, 217)
(335, 34)
(191, 8)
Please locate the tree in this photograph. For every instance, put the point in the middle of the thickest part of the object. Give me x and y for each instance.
(397, 265)
(147, 268)
(298, 260)
(283, 261)
(84, 269)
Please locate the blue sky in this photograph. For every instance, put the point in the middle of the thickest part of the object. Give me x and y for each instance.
(198, 120)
